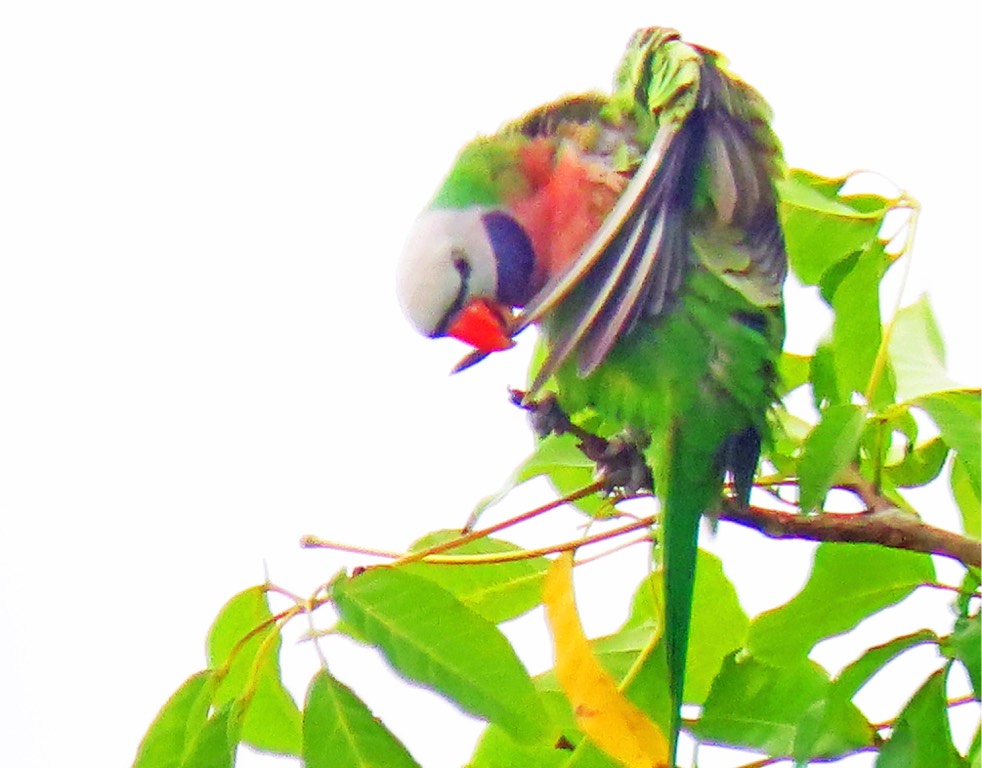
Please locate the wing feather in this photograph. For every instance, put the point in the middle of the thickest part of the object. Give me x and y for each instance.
(621, 216)
(622, 312)
(743, 195)
(634, 265)
(636, 262)
(628, 256)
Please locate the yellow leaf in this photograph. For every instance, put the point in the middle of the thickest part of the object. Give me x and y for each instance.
(603, 713)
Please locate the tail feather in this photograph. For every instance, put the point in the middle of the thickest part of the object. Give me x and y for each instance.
(739, 457)
(694, 482)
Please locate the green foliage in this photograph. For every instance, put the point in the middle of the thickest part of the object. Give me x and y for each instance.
(498, 591)
(558, 458)
(244, 646)
(719, 625)
(781, 710)
(215, 744)
(177, 723)
(965, 644)
(429, 636)
(829, 448)
(848, 583)
(922, 736)
(889, 419)
(857, 674)
(917, 352)
(338, 729)
(823, 229)
(966, 493)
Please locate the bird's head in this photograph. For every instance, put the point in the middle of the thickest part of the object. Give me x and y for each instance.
(461, 273)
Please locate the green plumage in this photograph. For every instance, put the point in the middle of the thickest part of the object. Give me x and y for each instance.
(692, 381)
(485, 173)
(694, 367)
(649, 215)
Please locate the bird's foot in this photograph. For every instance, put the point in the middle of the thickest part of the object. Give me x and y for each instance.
(622, 468)
(545, 415)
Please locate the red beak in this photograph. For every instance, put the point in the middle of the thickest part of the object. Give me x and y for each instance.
(484, 325)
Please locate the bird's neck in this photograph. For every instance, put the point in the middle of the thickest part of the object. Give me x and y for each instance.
(569, 198)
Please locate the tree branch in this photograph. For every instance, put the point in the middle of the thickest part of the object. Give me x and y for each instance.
(882, 523)
(888, 527)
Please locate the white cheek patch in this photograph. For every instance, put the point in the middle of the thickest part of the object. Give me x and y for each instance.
(429, 285)
(426, 281)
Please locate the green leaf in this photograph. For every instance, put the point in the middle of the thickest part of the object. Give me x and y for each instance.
(557, 705)
(792, 371)
(899, 419)
(588, 756)
(496, 750)
(427, 635)
(848, 583)
(339, 730)
(249, 670)
(552, 453)
(857, 674)
(829, 448)
(965, 644)
(820, 227)
(966, 591)
(719, 624)
(958, 415)
(917, 353)
(648, 685)
(919, 466)
(831, 726)
(788, 437)
(921, 736)
(966, 497)
(779, 710)
(497, 591)
(856, 329)
(557, 458)
(825, 388)
(167, 737)
(215, 744)
(974, 757)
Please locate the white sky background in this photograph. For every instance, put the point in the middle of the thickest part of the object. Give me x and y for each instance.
(201, 355)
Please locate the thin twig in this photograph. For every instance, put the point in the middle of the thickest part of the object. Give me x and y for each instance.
(763, 763)
(528, 554)
(314, 542)
(399, 558)
(882, 353)
(484, 532)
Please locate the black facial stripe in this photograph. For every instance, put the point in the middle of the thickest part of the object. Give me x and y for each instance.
(463, 268)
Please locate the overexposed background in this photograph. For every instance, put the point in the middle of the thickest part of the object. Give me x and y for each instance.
(201, 355)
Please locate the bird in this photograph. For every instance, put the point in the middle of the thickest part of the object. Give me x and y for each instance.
(638, 230)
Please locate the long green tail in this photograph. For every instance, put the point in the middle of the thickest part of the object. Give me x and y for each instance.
(694, 481)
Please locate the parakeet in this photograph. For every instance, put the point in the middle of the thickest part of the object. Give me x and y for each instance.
(639, 231)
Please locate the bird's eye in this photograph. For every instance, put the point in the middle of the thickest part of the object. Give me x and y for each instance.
(461, 264)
